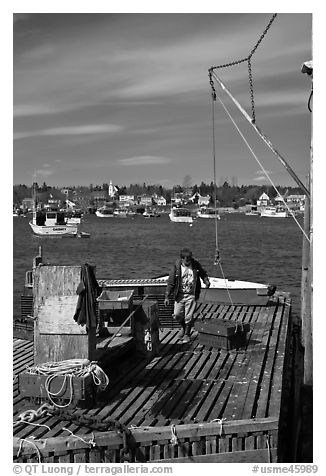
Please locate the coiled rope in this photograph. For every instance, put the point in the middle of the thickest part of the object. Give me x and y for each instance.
(68, 369)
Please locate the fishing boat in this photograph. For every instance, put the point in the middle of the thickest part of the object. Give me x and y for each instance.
(121, 212)
(74, 217)
(52, 223)
(275, 212)
(180, 215)
(150, 213)
(206, 212)
(105, 212)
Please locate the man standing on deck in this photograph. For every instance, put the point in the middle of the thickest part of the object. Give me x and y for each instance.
(184, 286)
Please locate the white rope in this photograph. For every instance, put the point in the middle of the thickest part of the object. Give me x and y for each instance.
(69, 369)
(261, 166)
(31, 443)
(174, 438)
(90, 443)
(220, 421)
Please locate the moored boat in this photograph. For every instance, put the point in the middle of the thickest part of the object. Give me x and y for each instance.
(207, 212)
(104, 212)
(52, 223)
(275, 212)
(74, 217)
(150, 213)
(180, 215)
(121, 212)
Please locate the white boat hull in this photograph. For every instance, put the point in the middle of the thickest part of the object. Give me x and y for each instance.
(55, 230)
(73, 221)
(180, 219)
(274, 215)
(103, 215)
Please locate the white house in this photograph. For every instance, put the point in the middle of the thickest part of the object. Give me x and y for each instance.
(160, 201)
(127, 199)
(263, 200)
(145, 200)
(203, 200)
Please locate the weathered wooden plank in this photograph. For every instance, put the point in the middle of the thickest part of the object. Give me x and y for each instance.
(250, 401)
(269, 371)
(217, 410)
(149, 434)
(209, 393)
(276, 388)
(189, 400)
(145, 412)
(56, 315)
(171, 400)
(210, 366)
(250, 456)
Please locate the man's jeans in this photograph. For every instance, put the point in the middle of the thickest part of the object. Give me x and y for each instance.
(184, 308)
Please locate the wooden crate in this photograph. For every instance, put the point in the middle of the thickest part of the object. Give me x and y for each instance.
(222, 334)
(115, 299)
(81, 389)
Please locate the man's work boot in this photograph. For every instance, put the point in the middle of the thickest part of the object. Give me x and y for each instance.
(186, 337)
(182, 330)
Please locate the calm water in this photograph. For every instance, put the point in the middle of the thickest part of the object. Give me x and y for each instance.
(251, 248)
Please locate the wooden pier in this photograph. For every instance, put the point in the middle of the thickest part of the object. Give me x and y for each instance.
(190, 403)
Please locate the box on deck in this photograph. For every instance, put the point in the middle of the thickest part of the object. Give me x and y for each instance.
(115, 299)
(222, 334)
(115, 306)
(77, 389)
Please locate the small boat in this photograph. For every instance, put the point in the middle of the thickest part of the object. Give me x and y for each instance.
(181, 215)
(74, 217)
(121, 212)
(253, 213)
(52, 223)
(105, 212)
(83, 234)
(275, 212)
(206, 212)
(150, 213)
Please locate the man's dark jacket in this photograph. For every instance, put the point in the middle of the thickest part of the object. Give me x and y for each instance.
(88, 290)
(173, 287)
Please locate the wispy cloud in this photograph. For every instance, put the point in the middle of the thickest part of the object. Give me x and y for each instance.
(88, 129)
(45, 172)
(261, 177)
(144, 160)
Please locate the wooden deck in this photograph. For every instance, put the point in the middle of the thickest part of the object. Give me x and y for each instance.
(187, 385)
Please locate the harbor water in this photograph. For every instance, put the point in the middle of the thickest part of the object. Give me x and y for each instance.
(252, 248)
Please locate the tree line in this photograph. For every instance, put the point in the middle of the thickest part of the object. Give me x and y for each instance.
(227, 195)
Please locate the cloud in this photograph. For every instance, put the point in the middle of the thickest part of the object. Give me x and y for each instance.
(45, 172)
(88, 129)
(261, 176)
(144, 160)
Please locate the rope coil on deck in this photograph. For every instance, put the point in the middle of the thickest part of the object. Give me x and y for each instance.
(69, 369)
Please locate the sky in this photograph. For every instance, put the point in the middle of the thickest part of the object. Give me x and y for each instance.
(126, 97)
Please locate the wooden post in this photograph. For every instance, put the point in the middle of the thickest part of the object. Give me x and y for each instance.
(306, 296)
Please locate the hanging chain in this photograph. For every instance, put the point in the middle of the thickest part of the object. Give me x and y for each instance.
(262, 35)
(211, 82)
(253, 114)
(248, 60)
